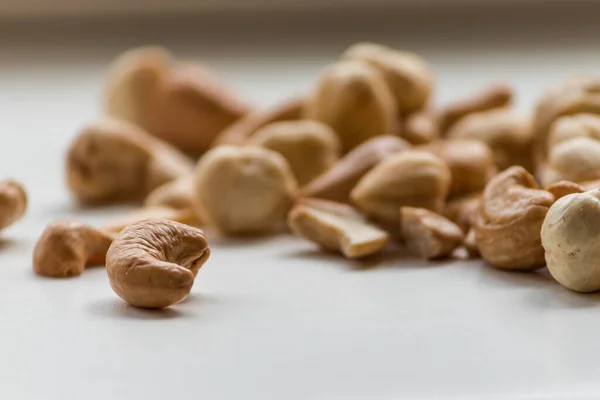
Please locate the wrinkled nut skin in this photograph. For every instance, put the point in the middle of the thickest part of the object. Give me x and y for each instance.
(309, 147)
(570, 238)
(336, 227)
(411, 178)
(420, 127)
(407, 74)
(113, 161)
(185, 216)
(494, 96)
(429, 235)
(132, 79)
(461, 210)
(336, 183)
(506, 132)
(508, 221)
(572, 126)
(575, 160)
(239, 133)
(13, 202)
(562, 188)
(153, 263)
(177, 194)
(244, 190)
(66, 248)
(355, 101)
(471, 163)
(191, 106)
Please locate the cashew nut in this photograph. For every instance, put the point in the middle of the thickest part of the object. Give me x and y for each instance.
(185, 216)
(178, 194)
(420, 127)
(462, 209)
(13, 202)
(562, 188)
(572, 126)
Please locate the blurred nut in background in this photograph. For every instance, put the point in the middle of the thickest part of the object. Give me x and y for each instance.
(177, 194)
(420, 127)
(185, 216)
(572, 126)
(355, 101)
(309, 147)
(576, 160)
(462, 209)
(13, 202)
(562, 188)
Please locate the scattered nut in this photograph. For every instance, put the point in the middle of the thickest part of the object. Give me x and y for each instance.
(309, 147)
(429, 235)
(185, 216)
(507, 133)
(113, 161)
(337, 227)
(493, 96)
(575, 160)
(461, 210)
(13, 202)
(410, 178)
(178, 194)
(508, 221)
(562, 188)
(337, 183)
(407, 74)
(420, 127)
(354, 99)
(244, 190)
(153, 263)
(66, 248)
(572, 126)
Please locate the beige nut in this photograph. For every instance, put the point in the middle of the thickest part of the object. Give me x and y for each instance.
(309, 147)
(470, 244)
(354, 99)
(336, 227)
(66, 248)
(132, 79)
(191, 106)
(185, 216)
(178, 194)
(13, 202)
(238, 133)
(420, 127)
(572, 126)
(411, 178)
(575, 160)
(407, 74)
(429, 235)
(506, 132)
(244, 190)
(508, 221)
(153, 263)
(113, 161)
(337, 183)
(562, 188)
(470, 161)
(462, 209)
(494, 96)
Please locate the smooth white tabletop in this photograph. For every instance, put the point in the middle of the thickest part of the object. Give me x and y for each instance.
(275, 318)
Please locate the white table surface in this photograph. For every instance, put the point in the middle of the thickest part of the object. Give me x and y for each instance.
(275, 318)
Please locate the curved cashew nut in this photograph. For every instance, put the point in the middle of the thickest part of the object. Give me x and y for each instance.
(13, 202)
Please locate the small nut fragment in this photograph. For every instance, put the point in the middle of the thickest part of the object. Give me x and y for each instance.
(153, 263)
(462, 209)
(113, 161)
(410, 178)
(506, 132)
(13, 202)
(337, 227)
(429, 235)
(420, 127)
(185, 216)
(494, 96)
(178, 194)
(575, 160)
(309, 147)
(508, 221)
(238, 133)
(337, 183)
(354, 99)
(562, 188)
(244, 190)
(572, 126)
(66, 248)
(407, 74)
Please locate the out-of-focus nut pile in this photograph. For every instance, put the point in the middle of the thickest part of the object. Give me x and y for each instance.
(362, 161)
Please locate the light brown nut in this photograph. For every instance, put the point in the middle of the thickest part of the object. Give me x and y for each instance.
(238, 133)
(66, 248)
(309, 147)
(336, 227)
(185, 216)
(572, 126)
(420, 127)
(508, 221)
(191, 106)
(178, 194)
(411, 178)
(354, 99)
(493, 96)
(506, 132)
(113, 161)
(470, 161)
(244, 190)
(562, 188)
(470, 244)
(575, 160)
(462, 209)
(13, 202)
(132, 79)
(407, 74)
(429, 235)
(337, 183)
(590, 185)
(153, 263)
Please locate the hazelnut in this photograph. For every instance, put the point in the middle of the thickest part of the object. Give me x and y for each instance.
(572, 126)
(575, 160)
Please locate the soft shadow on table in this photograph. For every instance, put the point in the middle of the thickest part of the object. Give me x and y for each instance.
(498, 277)
(113, 308)
(7, 244)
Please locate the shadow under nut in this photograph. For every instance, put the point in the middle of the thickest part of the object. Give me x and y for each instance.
(152, 264)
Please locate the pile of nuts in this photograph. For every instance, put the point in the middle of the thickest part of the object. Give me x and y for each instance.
(362, 162)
